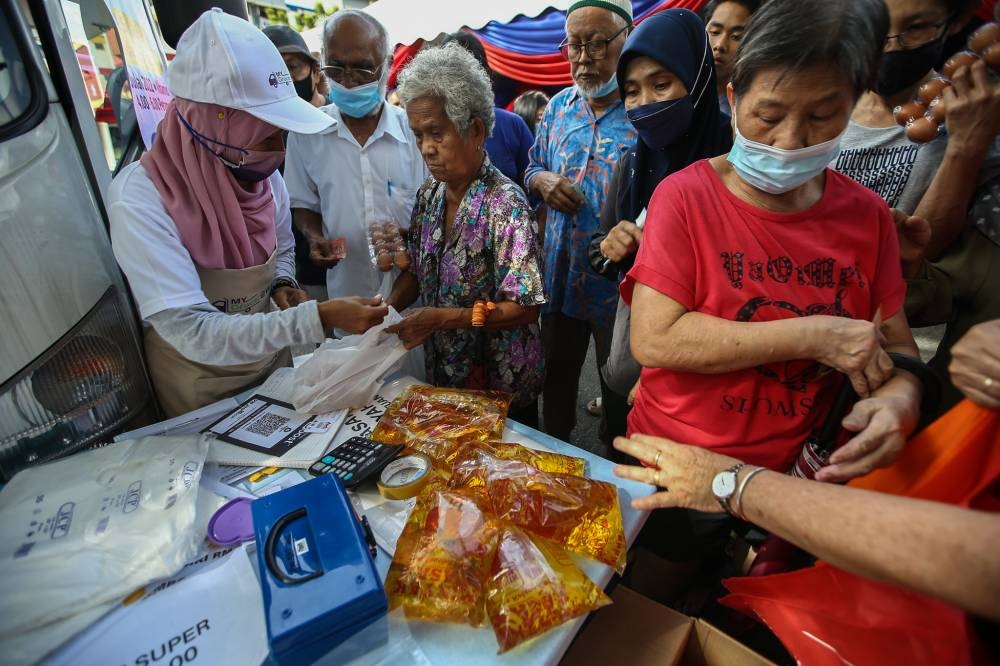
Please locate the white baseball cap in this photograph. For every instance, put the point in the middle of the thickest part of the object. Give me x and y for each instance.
(222, 59)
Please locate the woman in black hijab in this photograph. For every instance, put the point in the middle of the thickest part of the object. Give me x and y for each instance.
(666, 78)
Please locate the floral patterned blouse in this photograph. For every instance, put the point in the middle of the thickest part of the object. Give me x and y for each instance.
(491, 254)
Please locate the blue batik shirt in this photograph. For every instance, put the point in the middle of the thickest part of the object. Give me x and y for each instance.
(570, 141)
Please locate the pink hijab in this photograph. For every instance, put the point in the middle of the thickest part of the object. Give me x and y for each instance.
(221, 222)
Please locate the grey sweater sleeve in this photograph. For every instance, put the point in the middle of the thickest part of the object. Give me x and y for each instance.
(203, 334)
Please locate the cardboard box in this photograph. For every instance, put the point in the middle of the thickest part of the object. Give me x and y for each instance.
(640, 632)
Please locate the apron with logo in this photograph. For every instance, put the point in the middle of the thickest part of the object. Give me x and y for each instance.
(182, 384)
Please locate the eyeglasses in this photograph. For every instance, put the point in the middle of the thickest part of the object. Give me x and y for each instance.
(596, 49)
(357, 74)
(917, 35)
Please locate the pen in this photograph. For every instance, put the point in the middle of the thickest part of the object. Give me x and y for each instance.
(369, 537)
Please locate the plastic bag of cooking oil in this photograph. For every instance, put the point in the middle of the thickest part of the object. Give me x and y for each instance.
(445, 455)
(579, 513)
(434, 420)
(440, 451)
(443, 560)
(535, 585)
(546, 461)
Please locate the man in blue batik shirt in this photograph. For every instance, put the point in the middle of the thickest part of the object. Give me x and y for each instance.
(582, 134)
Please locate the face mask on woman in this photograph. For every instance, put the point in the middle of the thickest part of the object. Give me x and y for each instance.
(661, 123)
(776, 170)
(898, 70)
(356, 102)
(304, 88)
(254, 165)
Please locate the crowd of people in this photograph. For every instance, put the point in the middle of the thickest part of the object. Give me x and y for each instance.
(723, 204)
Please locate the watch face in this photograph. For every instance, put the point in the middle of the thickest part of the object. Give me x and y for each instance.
(724, 484)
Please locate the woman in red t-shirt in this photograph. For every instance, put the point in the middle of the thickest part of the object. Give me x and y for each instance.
(763, 275)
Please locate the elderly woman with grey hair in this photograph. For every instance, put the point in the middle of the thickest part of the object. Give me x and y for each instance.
(472, 239)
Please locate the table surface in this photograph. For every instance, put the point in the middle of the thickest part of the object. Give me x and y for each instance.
(435, 644)
(446, 644)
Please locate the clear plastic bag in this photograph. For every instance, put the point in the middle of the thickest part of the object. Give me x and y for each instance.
(436, 421)
(535, 586)
(546, 461)
(387, 247)
(87, 530)
(443, 560)
(346, 373)
(581, 514)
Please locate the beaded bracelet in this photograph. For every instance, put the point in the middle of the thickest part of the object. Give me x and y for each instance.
(481, 311)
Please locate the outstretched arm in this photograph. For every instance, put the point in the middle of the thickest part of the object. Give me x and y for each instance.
(925, 546)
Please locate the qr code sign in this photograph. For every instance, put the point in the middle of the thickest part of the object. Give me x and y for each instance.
(268, 424)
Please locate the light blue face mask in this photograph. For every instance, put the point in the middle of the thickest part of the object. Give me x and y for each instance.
(357, 102)
(607, 88)
(776, 170)
(604, 90)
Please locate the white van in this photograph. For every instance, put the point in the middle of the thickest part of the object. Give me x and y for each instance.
(72, 371)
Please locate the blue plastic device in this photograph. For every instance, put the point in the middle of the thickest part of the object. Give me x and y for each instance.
(317, 575)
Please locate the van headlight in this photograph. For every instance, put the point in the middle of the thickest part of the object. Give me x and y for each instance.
(87, 384)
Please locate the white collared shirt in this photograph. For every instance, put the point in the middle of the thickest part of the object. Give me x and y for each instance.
(352, 187)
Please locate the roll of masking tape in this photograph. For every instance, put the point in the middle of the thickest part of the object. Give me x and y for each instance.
(404, 477)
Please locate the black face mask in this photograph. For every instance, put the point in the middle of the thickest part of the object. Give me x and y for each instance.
(899, 70)
(263, 163)
(304, 88)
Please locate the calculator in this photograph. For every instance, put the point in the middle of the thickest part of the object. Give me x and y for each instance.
(356, 460)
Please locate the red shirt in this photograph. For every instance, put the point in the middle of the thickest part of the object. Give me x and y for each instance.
(716, 254)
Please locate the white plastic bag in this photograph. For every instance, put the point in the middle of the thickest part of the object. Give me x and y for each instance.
(346, 373)
(87, 530)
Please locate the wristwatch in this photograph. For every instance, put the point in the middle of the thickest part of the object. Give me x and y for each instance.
(280, 282)
(724, 486)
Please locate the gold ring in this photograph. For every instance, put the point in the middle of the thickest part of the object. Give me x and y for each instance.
(988, 382)
(656, 478)
(656, 460)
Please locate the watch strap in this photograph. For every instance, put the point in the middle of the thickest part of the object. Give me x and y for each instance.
(738, 496)
(280, 282)
(724, 501)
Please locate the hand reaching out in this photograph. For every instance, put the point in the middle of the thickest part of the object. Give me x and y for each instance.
(975, 364)
(289, 297)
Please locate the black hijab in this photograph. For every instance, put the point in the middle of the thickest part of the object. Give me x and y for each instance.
(676, 39)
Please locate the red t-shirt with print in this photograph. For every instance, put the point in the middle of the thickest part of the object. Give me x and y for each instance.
(716, 254)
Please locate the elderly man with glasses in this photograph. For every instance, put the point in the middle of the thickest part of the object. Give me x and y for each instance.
(364, 169)
(581, 135)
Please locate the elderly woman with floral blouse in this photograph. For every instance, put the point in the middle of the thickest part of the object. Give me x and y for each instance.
(472, 238)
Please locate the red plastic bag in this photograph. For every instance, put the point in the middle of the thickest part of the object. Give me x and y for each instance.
(825, 615)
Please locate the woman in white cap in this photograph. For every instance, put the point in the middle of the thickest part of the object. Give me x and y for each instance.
(202, 229)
